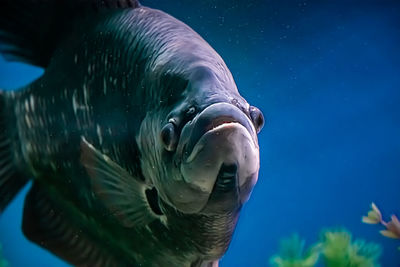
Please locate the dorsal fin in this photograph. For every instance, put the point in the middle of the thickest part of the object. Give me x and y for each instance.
(31, 29)
(46, 224)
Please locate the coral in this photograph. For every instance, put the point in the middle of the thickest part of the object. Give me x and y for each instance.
(335, 248)
(375, 217)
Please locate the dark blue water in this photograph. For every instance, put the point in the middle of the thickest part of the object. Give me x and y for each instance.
(327, 77)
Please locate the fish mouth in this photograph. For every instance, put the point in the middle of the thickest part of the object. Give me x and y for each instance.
(213, 118)
(217, 153)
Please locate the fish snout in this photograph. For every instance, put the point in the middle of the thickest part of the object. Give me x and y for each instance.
(218, 156)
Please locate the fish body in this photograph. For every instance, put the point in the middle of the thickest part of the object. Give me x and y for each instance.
(141, 148)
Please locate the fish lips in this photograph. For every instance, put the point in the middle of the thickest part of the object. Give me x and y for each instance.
(218, 158)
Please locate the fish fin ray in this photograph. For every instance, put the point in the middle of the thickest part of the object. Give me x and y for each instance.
(11, 179)
(46, 224)
(123, 195)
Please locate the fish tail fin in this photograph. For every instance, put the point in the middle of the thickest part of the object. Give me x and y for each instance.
(30, 30)
(11, 178)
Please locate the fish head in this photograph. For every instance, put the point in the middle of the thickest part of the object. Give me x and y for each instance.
(205, 157)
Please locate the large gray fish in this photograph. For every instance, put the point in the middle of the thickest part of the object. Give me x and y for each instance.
(141, 149)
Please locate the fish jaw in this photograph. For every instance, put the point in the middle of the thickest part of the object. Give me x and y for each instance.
(218, 158)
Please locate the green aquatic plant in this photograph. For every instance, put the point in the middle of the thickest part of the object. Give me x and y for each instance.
(375, 217)
(335, 248)
(338, 249)
(3, 262)
(292, 254)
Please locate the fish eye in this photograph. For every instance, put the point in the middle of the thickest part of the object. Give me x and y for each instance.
(257, 118)
(169, 137)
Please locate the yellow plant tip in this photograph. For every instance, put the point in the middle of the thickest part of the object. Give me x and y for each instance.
(311, 260)
(374, 215)
(395, 221)
(375, 208)
(388, 234)
(368, 220)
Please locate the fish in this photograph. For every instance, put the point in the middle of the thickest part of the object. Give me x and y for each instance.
(139, 146)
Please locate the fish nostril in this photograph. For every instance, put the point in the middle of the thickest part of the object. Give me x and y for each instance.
(257, 117)
(169, 137)
(190, 112)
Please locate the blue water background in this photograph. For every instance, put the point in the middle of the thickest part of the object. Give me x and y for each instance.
(326, 74)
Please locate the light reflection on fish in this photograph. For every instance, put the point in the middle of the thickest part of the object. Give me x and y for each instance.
(141, 149)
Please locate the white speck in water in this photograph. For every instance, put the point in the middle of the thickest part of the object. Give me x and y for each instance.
(105, 86)
(148, 229)
(28, 147)
(41, 122)
(53, 165)
(164, 220)
(32, 102)
(26, 105)
(85, 94)
(28, 121)
(99, 134)
(74, 102)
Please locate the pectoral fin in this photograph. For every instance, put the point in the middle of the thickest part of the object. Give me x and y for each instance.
(123, 195)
